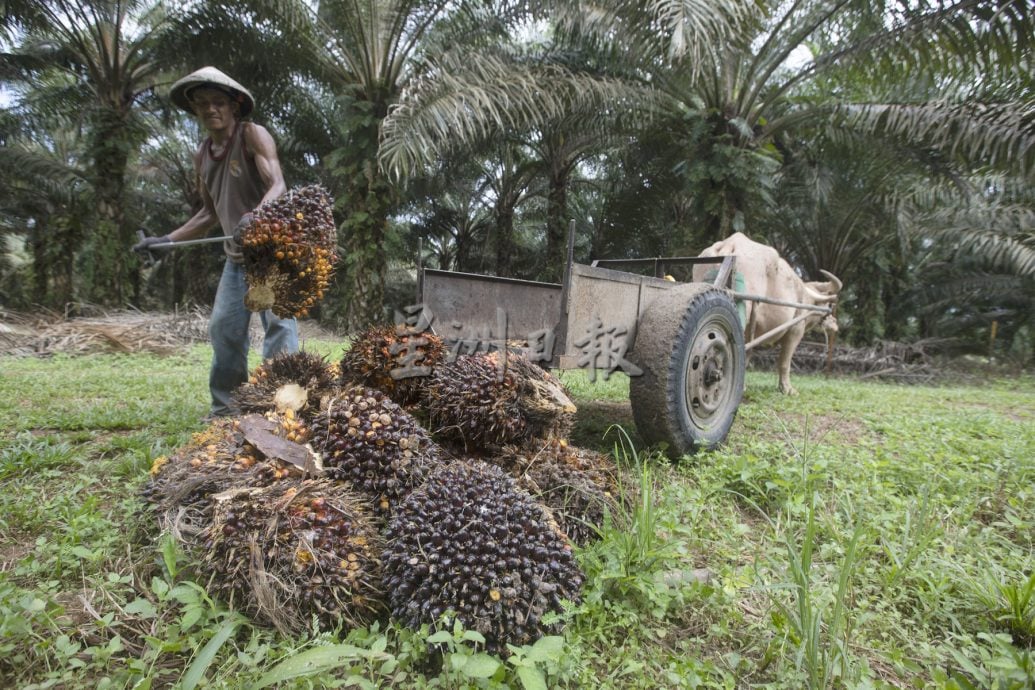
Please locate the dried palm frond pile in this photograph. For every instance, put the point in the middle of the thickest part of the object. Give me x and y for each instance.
(48, 333)
(884, 360)
(336, 504)
(289, 252)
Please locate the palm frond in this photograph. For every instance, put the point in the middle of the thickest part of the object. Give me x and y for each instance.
(933, 37)
(1002, 234)
(1000, 134)
(38, 172)
(464, 98)
(690, 33)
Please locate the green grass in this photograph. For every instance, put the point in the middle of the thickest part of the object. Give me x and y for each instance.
(857, 535)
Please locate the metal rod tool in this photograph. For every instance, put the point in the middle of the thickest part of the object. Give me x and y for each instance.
(149, 258)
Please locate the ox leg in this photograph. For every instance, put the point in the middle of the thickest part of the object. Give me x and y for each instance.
(788, 344)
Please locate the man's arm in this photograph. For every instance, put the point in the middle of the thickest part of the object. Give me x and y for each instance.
(264, 149)
(202, 221)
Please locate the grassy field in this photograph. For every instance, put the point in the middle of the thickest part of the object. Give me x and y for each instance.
(858, 535)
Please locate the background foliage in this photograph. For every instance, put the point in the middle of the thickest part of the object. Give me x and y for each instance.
(891, 143)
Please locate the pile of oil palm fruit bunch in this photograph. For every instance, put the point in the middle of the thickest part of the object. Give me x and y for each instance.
(581, 487)
(289, 252)
(393, 359)
(472, 543)
(345, 496)
(489, 399)
(214, 460)
(290, 380)
(293, 551)
(372, 443)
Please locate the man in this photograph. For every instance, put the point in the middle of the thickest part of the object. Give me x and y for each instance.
(238, 170)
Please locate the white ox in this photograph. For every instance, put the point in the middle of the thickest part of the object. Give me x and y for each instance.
(766, 274)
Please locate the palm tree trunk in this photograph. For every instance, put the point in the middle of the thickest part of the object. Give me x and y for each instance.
(504, 239)
(461, 257)
(108, 266)
(556, 210)
(362, 284)
(40, 269)
(366, 199)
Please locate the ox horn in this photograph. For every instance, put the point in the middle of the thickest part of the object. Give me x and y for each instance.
(833, 279)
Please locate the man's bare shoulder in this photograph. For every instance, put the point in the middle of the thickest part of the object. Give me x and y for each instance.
(255, 133)
(259, 141)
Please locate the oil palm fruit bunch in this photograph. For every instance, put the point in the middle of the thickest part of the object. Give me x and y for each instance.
(289, 252)
(489, 399)
(373, 443)
(283, 460)
(395, 359)
(295, 550)
(286, 381)
(180, 487)
(580, 486)
(472, 543)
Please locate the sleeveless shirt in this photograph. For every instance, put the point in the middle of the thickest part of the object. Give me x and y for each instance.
(234, 183)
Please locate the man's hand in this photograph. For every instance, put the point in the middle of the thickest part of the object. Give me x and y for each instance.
(145, 244)
(242, 225)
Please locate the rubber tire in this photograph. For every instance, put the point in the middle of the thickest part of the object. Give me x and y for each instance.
(692, 320)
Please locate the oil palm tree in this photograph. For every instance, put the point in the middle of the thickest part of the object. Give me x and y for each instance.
(749, 95)
(92, 65)
(452, 205)
(554, 107)
(727, 80)
(45, 206)
(978, 285)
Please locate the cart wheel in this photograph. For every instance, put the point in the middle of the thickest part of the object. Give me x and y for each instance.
(690, 346)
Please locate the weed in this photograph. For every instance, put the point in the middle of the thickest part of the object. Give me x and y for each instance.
(819, 626)
(27, 454)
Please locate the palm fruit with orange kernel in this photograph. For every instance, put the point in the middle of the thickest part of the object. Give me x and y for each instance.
(489, 399)
(289, 426)
(294, 380)
(471, 544)
(289, 252)
(371, 442)
(294, 551)
(397, 360)
(218, 458)
(581, 487)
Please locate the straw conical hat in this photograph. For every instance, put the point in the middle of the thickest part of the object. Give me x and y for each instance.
(210, 76)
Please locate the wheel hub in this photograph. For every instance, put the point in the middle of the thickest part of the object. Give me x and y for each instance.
(708, 377)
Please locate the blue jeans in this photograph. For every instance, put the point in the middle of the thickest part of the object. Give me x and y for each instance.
(228, 330)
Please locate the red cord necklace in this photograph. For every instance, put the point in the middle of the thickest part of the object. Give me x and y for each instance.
(226, 147)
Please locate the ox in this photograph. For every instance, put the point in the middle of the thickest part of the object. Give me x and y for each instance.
(766, 274)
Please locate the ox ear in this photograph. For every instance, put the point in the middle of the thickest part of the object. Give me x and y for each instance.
(829, 289)
(817, 292)
(826, 299)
